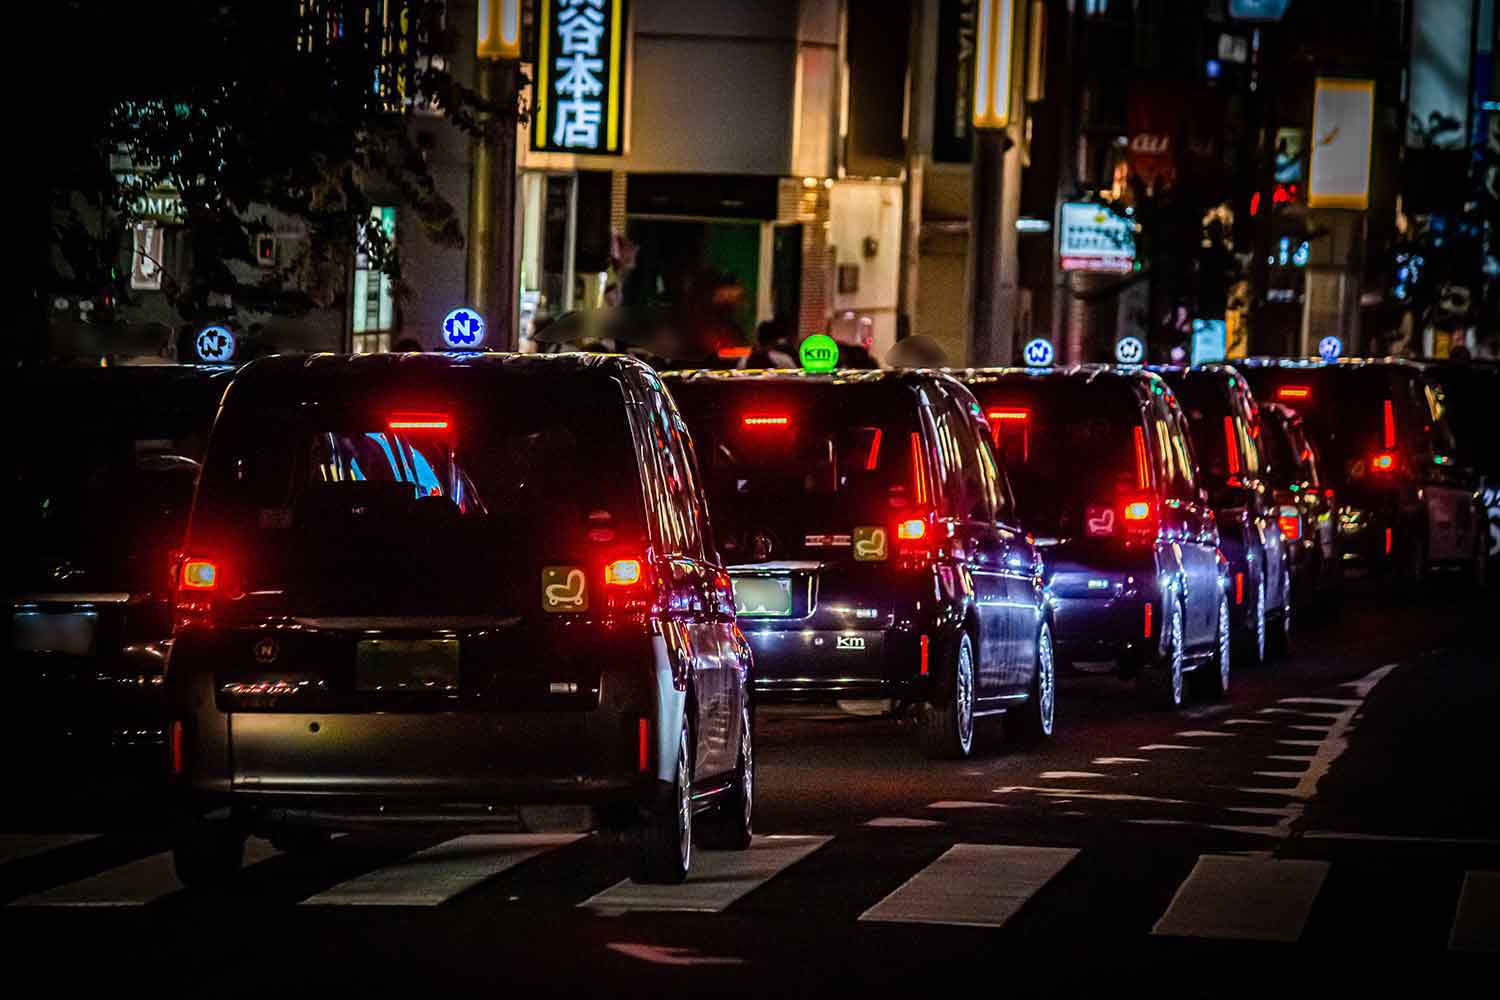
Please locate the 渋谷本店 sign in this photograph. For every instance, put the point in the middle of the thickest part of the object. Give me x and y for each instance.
(580, 77)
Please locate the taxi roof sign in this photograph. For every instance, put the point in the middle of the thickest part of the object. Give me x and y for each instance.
(819, 353)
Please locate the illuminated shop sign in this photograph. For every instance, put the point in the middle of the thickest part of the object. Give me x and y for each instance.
(580, 77)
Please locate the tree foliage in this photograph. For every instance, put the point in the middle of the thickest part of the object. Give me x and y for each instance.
(249, 110)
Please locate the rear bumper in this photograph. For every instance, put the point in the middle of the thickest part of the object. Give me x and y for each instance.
(806, 665)
(1104, 628)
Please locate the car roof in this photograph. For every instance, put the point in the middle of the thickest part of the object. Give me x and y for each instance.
(289, 367)
(1073, 373)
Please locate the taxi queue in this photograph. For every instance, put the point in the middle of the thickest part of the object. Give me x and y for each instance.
(421, 588)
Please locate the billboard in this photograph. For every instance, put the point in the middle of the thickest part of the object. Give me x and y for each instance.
(580, 77)
(1342, 134)
(1091, 237)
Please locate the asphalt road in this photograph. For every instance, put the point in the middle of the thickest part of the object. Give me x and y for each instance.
(1333, 826)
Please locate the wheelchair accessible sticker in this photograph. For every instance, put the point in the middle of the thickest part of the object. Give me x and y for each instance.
(564, 588)
(869, 544)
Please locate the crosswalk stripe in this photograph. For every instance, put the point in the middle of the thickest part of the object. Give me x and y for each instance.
(717, 879)
(134, 883)
(437, 874)
(1251, 899)
(1476, 924)
(972, 885)
(15, 846)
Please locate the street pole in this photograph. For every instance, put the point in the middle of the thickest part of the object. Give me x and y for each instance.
(492, 278)
(991, 339)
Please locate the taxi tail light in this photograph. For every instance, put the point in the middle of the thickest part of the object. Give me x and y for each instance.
(1139, 517)
(914, 541)
(1239, 588)
(643, 744)
(174, 744)
(627, 587)
(1146, 620)
(1297, 393)
(924, 667)
(432, 423)
(767, 421)
(196, 581)
(1385, 463)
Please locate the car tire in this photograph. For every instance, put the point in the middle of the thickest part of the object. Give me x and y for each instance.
(1212, 678)
(664, 839)
(1280, 637)
(1253, 634)
(208, 853)
(1033, 722)
(947, 729)
(1162, 683)
(730, 826)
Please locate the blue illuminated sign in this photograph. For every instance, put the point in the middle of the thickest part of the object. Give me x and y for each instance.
(1210, 341)
(214, 345)
(1257, 10)
(1130, 351)
(1038, 353)
(1330, 348)
(463, 329)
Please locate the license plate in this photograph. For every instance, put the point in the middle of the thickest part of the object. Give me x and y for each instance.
(45, 632)
(763, 596)
(406, 665)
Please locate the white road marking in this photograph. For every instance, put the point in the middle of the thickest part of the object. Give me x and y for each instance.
(1476, 924)
(1057, 775)
(901, 822)
(1300, 743)
(1251, 899)
(1068, 794)
(435, 875)
(15, 846)
(717, 879)
(1337, 702)
(1191, 733)
(662, 955)
(1366, 684)
(1397, 838)
(958, 804)
(1247, 722)
(1120, 760)
(972, 885)
(134, 883)
(1293, 775)
(1284, 812)
(1167, 746)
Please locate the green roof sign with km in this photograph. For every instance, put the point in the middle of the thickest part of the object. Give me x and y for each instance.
(819, 353)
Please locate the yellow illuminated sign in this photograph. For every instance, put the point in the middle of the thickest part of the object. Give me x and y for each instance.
(499, 35)
(994, 62)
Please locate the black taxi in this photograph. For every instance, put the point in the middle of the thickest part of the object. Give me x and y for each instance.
(1105, 479)
(440, 590)
(874, 548)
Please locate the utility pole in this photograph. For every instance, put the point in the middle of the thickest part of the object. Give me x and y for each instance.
(492, 278)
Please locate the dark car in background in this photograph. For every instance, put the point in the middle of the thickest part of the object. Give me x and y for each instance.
(101, 474)
(1306, 507)
(1408, 504)
(874, 548)
(1225, 422)
(1471, 391)
(1105, 479)
(441, 590)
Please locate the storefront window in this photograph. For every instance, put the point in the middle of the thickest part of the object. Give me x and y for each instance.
(373, 309)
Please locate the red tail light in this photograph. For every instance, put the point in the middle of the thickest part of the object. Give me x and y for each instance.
(912, 529)
(768, 420)
(643, 744)
(419, 422)
(1146, 625)
(1239, 588)
(174, 740)
(1231, 446)
(1140, 510)
(1390, 424)
(924, 665)
(1384, 462)
(1014, 419)
(200, 575)
(1294, 392)
(731, 353)
(1142, 460)
(623, 573)
(1387, 541)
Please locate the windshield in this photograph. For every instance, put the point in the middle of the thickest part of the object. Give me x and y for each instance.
(1065, 443)
(347, 504)
(1220, 441)
(101, 481)
(791, 470)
